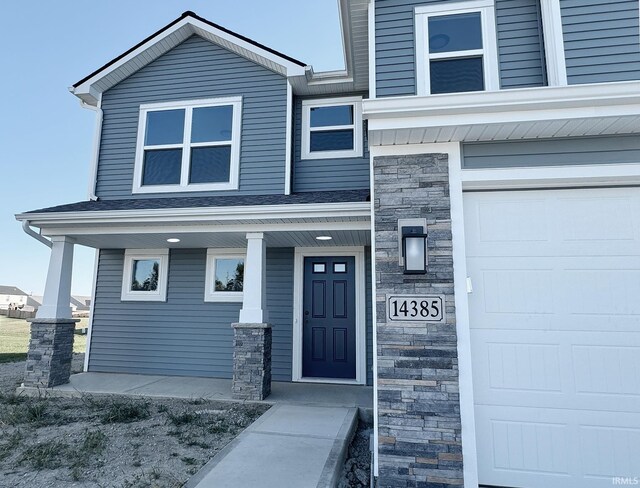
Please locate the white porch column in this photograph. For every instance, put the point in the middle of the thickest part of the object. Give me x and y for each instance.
(255, 274)
(57, 292)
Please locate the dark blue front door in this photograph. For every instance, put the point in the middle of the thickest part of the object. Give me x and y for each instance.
(329, 318)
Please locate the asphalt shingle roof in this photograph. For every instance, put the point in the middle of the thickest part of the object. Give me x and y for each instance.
(341, 196)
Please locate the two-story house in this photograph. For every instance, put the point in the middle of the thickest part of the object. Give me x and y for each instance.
(472, 251)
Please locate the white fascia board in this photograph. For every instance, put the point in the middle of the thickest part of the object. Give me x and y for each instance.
(263, 212)
(87, 92)
(512, 102)
(505, 108)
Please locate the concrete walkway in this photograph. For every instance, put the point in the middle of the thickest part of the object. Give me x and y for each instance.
(297, 446)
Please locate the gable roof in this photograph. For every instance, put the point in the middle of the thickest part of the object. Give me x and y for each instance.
(11, 290)
(91, 86)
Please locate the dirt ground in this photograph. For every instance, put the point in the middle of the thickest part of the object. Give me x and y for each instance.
(109, 441)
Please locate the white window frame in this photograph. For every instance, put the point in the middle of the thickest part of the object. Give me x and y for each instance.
(131, 255)
(210, 293)
(186, 145)
(307, 105)
(489, 51)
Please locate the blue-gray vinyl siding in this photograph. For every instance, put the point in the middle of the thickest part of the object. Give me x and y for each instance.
(552, 152)
(601, 40)
(520, 45)
(186, 336)
(327, 174)
(198, 69)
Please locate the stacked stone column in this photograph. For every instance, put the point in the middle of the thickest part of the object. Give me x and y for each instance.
(419, 424)
(50, 352)
(251, 361)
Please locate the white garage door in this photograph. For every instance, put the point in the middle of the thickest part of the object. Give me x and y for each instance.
(555, 328)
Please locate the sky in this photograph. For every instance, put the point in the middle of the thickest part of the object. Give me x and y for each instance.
(46, 138)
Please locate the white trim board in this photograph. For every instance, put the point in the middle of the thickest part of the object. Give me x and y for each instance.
(94, 287)
(361, 312)
(553, 42)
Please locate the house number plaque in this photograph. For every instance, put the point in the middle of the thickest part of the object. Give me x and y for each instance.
(415, 308)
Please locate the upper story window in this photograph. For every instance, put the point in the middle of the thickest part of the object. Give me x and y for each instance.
(332, 128)
(456, 48)
(188, 146)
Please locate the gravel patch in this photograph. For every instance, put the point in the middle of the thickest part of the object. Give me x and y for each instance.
(357, 467)
(99, 441)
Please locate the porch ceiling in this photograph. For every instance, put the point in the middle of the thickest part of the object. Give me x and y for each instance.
(213, 239)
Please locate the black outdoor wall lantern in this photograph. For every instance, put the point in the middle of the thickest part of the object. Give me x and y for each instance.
(414, 250)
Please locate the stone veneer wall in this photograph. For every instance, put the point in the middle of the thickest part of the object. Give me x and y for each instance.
(251, 361)
(419, 424)
(50, 352)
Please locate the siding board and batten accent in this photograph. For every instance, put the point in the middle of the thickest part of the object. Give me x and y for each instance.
(520, 45)
(552, 152)
(601, 40)
(198, 69)
(327, 174)
(186, 336)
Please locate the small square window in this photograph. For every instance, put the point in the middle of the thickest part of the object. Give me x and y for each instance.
(332, 128)
(319, 268)
(145, 274)
(224, 281)
(339, 267)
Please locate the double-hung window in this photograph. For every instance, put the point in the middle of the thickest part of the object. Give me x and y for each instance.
(188, 146)
(332, 128)
(456, 47)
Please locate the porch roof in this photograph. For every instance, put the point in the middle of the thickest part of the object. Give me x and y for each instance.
(342, 196)
(203, 222)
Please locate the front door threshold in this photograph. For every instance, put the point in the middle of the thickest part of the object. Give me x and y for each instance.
(334, 381)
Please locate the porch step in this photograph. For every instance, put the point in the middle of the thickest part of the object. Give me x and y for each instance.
(302, 446)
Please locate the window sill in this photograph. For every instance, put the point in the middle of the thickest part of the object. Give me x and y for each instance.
(224, 297)
(332, 155)
(182, 189)
(130, 297)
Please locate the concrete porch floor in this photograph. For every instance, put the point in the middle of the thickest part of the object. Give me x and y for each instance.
(212, 389)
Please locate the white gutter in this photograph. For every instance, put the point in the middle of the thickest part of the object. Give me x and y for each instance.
(26, 226)
(93, 172)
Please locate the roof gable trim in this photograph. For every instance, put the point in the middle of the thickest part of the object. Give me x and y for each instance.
(151, 48)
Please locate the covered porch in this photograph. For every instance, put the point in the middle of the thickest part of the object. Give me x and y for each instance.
(184, 329)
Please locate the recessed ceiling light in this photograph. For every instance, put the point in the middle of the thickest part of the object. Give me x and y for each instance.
(324, 238)
(173, 240)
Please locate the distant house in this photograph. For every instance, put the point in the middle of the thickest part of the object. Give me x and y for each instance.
(12, 297)
(78, 303)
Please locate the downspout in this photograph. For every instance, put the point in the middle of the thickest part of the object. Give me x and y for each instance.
(93, 178)
(26, 226)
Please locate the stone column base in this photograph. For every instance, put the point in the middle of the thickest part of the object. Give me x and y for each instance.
(251, 361)
(50, 352)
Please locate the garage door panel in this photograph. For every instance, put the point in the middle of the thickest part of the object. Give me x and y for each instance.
(537, 447)
(546, 223)
(555, 293)
(557, 369)
(555, 335)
